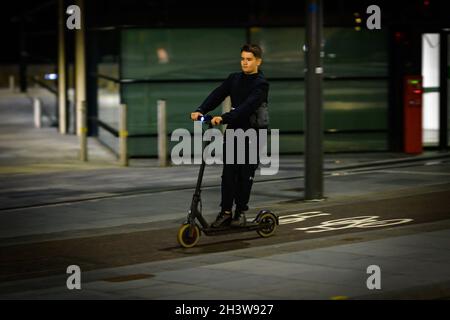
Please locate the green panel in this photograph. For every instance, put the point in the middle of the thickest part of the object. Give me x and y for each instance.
(287, 105)
(282, 50)
(349, 105)
(180, 53)
(355, 105)
(355, 142)
(142, 147)
(346, 52)
(182, 99)
(337, 142)
(185, 54)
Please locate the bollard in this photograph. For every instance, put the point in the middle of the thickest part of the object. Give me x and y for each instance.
(162, 133)
(11, 83)
(37, 112)
(123, 134)
(83, 133)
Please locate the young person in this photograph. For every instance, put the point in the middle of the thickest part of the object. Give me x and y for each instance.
(247, 89)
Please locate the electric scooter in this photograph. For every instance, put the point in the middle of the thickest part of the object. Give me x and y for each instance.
(265, 222)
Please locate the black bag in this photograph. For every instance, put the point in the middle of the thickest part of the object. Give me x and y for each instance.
(260, 118)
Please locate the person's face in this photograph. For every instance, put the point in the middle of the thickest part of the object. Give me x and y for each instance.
(249, 63)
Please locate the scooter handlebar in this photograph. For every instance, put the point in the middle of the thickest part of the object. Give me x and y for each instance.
(205, 118)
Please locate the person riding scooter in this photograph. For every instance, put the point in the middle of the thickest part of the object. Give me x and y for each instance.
(248, 90)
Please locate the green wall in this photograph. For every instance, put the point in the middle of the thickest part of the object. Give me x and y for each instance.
(211, 54)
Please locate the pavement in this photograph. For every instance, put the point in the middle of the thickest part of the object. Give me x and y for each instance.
(119, 225)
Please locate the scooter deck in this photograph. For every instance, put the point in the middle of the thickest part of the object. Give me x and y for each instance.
(249, 226)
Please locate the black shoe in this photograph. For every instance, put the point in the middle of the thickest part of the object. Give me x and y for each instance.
(239, 219)
(222, 220)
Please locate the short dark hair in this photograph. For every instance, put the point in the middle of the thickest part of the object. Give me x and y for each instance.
(253, 48)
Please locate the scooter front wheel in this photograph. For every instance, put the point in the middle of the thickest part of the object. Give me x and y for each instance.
(187, 237)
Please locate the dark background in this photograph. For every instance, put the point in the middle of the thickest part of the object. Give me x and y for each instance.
(38, 19)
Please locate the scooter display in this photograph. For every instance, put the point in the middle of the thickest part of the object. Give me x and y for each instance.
(265, 222)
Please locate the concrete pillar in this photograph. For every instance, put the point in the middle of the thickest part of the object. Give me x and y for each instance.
(83, 132)
(123, 134)
(37, 110)
(80, 67)
(162, 134)
(62, 98)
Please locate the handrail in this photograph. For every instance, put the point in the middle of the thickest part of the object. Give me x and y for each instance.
(44, 85)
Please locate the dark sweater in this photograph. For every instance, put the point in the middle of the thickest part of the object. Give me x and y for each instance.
(247, 93)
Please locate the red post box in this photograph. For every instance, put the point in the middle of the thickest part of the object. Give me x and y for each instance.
(412, 114)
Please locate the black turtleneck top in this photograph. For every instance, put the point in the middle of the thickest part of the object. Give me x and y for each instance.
(247, 93)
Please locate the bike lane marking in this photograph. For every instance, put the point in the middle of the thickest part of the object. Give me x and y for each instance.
(361, 222)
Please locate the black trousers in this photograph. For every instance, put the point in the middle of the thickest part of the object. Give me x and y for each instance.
(237, 180)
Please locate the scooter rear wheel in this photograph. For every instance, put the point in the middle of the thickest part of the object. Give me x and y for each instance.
(268, 223)
(185, 239)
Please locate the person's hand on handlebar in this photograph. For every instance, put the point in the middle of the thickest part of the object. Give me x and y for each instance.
(216, 121)
(195, 115)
